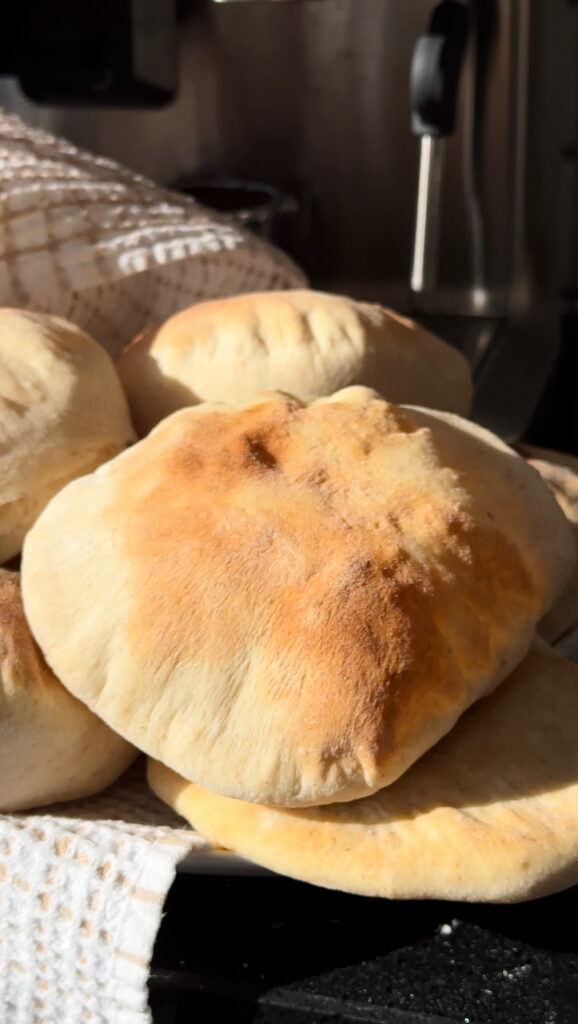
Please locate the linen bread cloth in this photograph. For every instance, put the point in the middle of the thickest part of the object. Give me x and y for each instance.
(90, 240)
(82, 885)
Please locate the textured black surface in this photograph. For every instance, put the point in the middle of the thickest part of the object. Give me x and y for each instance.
(273, 950)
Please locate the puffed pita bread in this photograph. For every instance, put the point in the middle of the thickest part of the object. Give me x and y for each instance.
(290, 603)
(489, 814)
(307, 343)
(62, 413)
(52, 747)
(560, 472)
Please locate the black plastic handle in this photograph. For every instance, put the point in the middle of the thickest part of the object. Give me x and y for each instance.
(435, 70)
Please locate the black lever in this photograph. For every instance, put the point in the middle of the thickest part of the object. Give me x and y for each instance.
(435, 72)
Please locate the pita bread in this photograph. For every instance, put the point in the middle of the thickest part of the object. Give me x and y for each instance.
(489, 814)
(62, 413)
(529, 451)
(52, 747)
(560, 473)
(351, 567)
(304, 342)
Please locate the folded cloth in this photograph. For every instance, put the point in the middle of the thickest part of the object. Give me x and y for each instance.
(87, 239)
(82, 888)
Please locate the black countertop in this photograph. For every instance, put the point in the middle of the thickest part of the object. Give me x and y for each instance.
(273, 950)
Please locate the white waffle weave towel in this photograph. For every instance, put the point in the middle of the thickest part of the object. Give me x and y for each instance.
(82, 888)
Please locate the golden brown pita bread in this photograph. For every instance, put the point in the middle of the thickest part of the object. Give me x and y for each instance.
(304, 342)
(489, 814)
(560, 472)
(290, 603)
(62, 413)
(51, 746)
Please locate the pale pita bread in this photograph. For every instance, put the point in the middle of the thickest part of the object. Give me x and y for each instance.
(305, 342)
(489, 814)
(52, 747)
(62, 413)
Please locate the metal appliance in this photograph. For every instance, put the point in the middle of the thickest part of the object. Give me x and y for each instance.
(326, 103)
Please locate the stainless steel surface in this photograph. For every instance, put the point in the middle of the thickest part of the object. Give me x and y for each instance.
(425, 256)
(483, 214)
(511, 358)
(511, 374)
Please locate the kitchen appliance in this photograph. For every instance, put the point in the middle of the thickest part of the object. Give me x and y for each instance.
(426, 160)
(463, 225)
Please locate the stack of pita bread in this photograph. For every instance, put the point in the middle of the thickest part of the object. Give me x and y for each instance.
(311, 594)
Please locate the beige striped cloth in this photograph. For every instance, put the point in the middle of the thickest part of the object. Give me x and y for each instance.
(88, 239)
